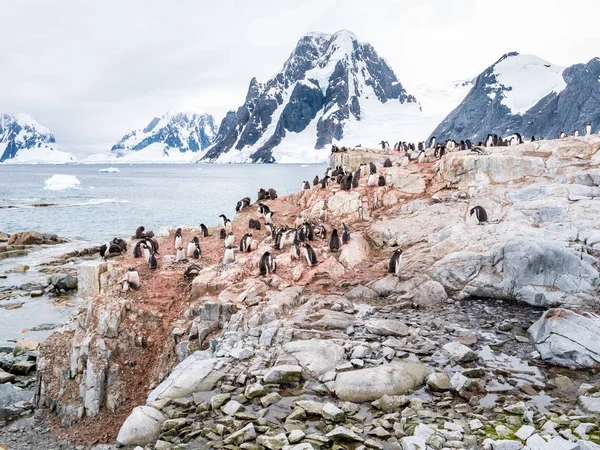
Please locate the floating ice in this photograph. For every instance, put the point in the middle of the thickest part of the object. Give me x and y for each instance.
(59, 182)
(110, 170)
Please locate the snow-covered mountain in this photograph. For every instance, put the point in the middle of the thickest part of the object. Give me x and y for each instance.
(170, 138)
(24, 141)
(525, 94)
(442, 97)
(332, 89)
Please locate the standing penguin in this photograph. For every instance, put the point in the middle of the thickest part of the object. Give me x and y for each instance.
(394, 264)
(180, 255)
(204, 230)
(325, 182)
(223, 219)
(355, 178)
(192, 246)
(267, 264)
(334, 241)
(588, 129)
(228, 226)
(381, 180)
(421, 157)
(575, 133)
(228, 255)
(405, 160)
(561, 135)
(345, 234)
(432, 142)
(223, 233)
(245, 243)
(229, 240)
(305, 185)
(269, 218)
(295, 251)
(152, 262)
(137, 250)
(310, 255)
(131, 280)
(178, 239)
(480, 214)
(316, 180)
(197, 251)
(372, 180)
(372, 168)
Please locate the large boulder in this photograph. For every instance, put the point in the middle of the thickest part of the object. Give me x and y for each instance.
(367, 385)
(33, 238)
(10, 394)
(316, 356)
(191, 375)
(142, 427)
(566, 338)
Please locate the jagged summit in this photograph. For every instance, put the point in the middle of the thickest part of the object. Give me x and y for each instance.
(528, 95)
(328, 85)
(24, 140)
(170, 136)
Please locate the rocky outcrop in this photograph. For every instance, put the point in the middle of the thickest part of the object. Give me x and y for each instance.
(566, 338)
(34, 238)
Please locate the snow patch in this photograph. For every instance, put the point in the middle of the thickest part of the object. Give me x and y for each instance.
(60, 182)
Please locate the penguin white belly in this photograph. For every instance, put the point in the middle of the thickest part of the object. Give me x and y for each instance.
(190, 249)
(178, 241)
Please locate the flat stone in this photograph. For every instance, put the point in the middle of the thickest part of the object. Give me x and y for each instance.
(459, 352)
(284, 374)
(296, 436)
(219, 400)
(254, 390)
(231, 407)
(23, 367)
(438, 382)
(248, 433)
(524, 432)
(270, 399)
(505, 444)
(6, 377)
(242, 353)
(343, 434)
(391, 403)
(273, 442)
(387, 327)
(333, 413)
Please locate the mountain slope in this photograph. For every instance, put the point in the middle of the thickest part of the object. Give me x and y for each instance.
(525, 94)
(330, 87)
(23, 140)
(173, 136)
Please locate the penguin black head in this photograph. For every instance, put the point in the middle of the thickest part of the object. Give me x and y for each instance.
(131, 269)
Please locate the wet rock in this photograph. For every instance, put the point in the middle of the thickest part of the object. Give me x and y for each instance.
(387, 327)
(142, 427)
(231, 408)
(391, 403)
(459, 352)
(590, 404)
(254, 390)
(566, 338)
(248, 433)
(273, 442)
(219, 400)
(6, 377)
(23, 367)
(333, 413)
(270, 399)
(438, 382)
(283, 374)
(524, 432)
(296, 436)
(316, 356)
(343, 435)
(370, 384)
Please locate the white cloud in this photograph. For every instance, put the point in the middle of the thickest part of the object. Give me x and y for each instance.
(92, 71)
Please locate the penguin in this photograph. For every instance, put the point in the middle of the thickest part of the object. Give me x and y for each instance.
(146, 250)
(222, 233)
(204, 230)
(489, 141)
(405, 160)
(381, 180)
(310, 255)
(139, 233)
(180, 255)
(372, 180)
(495, 140)
(308, 231)
(152, 262)
(280, 238)
(469, 144)
(356, 178)
(230, 239)
(131, 280)
(561, 135)
(363, 170)
(388, 179)
(334, 241)
(299, 220)
(532, 138)
(575, 133)
(387, 163)
(153, 244)
(197, 252)
(519, 138)
(267, 264)
(316, 180)
(588, 129)
(372, 168)
(325, 182)
(295, 251)
(192, 271)
(138, 250)
(223, 219)
(432, 142)
(463, 146)
(323, 232)
(421, 157)
(262, 210)
(245, 243)
(347, 182)
(253, 245)
(262, 194)
(345, 234)
(120, 243)
(272, 194)
(238, 206)
(228, 226)
(305, 185)
(480, 214)
(178, 239)
(329, 172)
(228, 255)
(323, 214)
(395, 261)
(421, 146)
(271, 230)
(192, 247)
(269, 217)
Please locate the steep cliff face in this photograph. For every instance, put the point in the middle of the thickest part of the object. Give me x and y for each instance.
(525, 94)
(327, 85)
(23, 140)
(170, 136)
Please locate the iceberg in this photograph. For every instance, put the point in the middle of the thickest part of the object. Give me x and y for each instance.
(60, 182)
(110, 170)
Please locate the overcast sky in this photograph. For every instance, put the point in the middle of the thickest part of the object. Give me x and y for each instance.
(92, 71)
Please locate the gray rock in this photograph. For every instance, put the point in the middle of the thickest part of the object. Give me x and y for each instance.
(506, 444)
(370, 384)
(566, 338)
(333, 413)
(387, 327)
(248, 433)
(10, 394)
(283, 374)
(273, 442)
(231, 408)
(438, 382)
(316, 356)
(343, 434)
(459, 353)
(142, 427)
